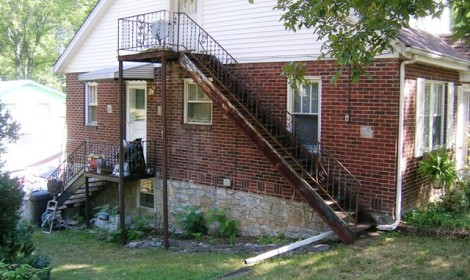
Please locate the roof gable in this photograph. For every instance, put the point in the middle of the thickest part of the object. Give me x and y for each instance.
(81, 34)
(7, 87)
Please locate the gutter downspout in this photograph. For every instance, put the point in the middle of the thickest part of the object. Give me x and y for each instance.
(401, 121)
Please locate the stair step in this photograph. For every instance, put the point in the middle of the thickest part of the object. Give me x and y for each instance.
(329, 202)
(344, 215)
(90, 189)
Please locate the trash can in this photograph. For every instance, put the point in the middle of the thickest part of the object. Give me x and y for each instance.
(38, 204)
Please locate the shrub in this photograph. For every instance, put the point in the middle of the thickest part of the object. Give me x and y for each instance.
(192, 221)
(439, 168)
(434, 216)
(221, 225)
(11, 197)
(22, 271)
(18, 257)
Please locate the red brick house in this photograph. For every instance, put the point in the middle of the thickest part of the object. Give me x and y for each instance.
(222, 128)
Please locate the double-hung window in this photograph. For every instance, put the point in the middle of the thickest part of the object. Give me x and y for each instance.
(197, 105)
(304, 105)
(91, 104)
(430, 114)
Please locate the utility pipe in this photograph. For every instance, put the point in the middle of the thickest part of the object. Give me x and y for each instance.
(401, 124)
(288, 248)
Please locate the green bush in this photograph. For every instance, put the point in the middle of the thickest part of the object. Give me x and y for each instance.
(192, 221)
(23, 271)
(439, 168)
(436, 217)
(19, 259)
(221, 225)
(11, 197)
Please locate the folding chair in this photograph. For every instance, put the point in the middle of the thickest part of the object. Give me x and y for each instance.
(50, 217)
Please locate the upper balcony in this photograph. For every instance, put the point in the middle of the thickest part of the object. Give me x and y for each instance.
(151, 36)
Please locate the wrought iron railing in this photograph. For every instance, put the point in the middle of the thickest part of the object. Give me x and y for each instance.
(177, 32)
(67, 170)
(139, 156)
(103, 158)
(165, 30)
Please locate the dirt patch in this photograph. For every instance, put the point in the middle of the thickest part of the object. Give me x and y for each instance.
(243, 244)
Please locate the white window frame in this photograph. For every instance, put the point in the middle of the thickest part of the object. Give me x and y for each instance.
(420, 146)
(198, 18)
(188, 82)
(290, 101)
(89, 102)
(450, 139)
(139, 192)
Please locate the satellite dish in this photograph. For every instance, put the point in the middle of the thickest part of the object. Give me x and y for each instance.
(160, 30)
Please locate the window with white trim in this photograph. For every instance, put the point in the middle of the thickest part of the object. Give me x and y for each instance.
(91, 104)
(187, 6)
(197, 105)
(146, 193)
(450, 139)
(304, 104)
(429, 132)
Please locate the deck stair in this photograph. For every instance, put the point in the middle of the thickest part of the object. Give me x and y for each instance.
(67, 182)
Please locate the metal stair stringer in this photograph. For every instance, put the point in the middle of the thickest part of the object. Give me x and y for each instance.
(71, 188)
(326, 213)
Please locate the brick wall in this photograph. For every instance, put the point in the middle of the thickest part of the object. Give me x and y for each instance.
(107, 129)
(208, 154)
(415, 190)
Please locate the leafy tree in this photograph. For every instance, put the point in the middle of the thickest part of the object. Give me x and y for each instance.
(35, 34)
(8, 129)
(461, 19)
(355, 31)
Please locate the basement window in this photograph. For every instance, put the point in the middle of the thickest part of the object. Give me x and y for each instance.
(197, 105)
(146, 193)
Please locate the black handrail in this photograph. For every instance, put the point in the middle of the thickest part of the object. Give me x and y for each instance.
(67, 170)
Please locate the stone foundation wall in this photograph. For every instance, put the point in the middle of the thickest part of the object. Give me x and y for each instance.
(257, 214)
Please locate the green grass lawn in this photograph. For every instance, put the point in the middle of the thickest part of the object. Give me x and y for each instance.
(79, 255)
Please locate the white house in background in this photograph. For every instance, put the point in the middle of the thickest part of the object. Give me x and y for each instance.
(40, 110)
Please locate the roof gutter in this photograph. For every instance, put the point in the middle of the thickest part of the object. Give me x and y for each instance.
(401, 124)
(439, 59)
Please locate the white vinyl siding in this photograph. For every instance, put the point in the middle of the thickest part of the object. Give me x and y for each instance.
(91, 104)
(100, 43)
(249, 32)
(255, 33)
(429, 131)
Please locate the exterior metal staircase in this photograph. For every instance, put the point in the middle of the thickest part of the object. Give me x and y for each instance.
(320, 179)
(323, 182)
(67, 182)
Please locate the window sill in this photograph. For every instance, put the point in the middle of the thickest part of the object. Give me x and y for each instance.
(197, 127)
(91, 126)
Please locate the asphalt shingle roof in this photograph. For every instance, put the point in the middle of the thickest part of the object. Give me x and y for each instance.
(428, 42)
